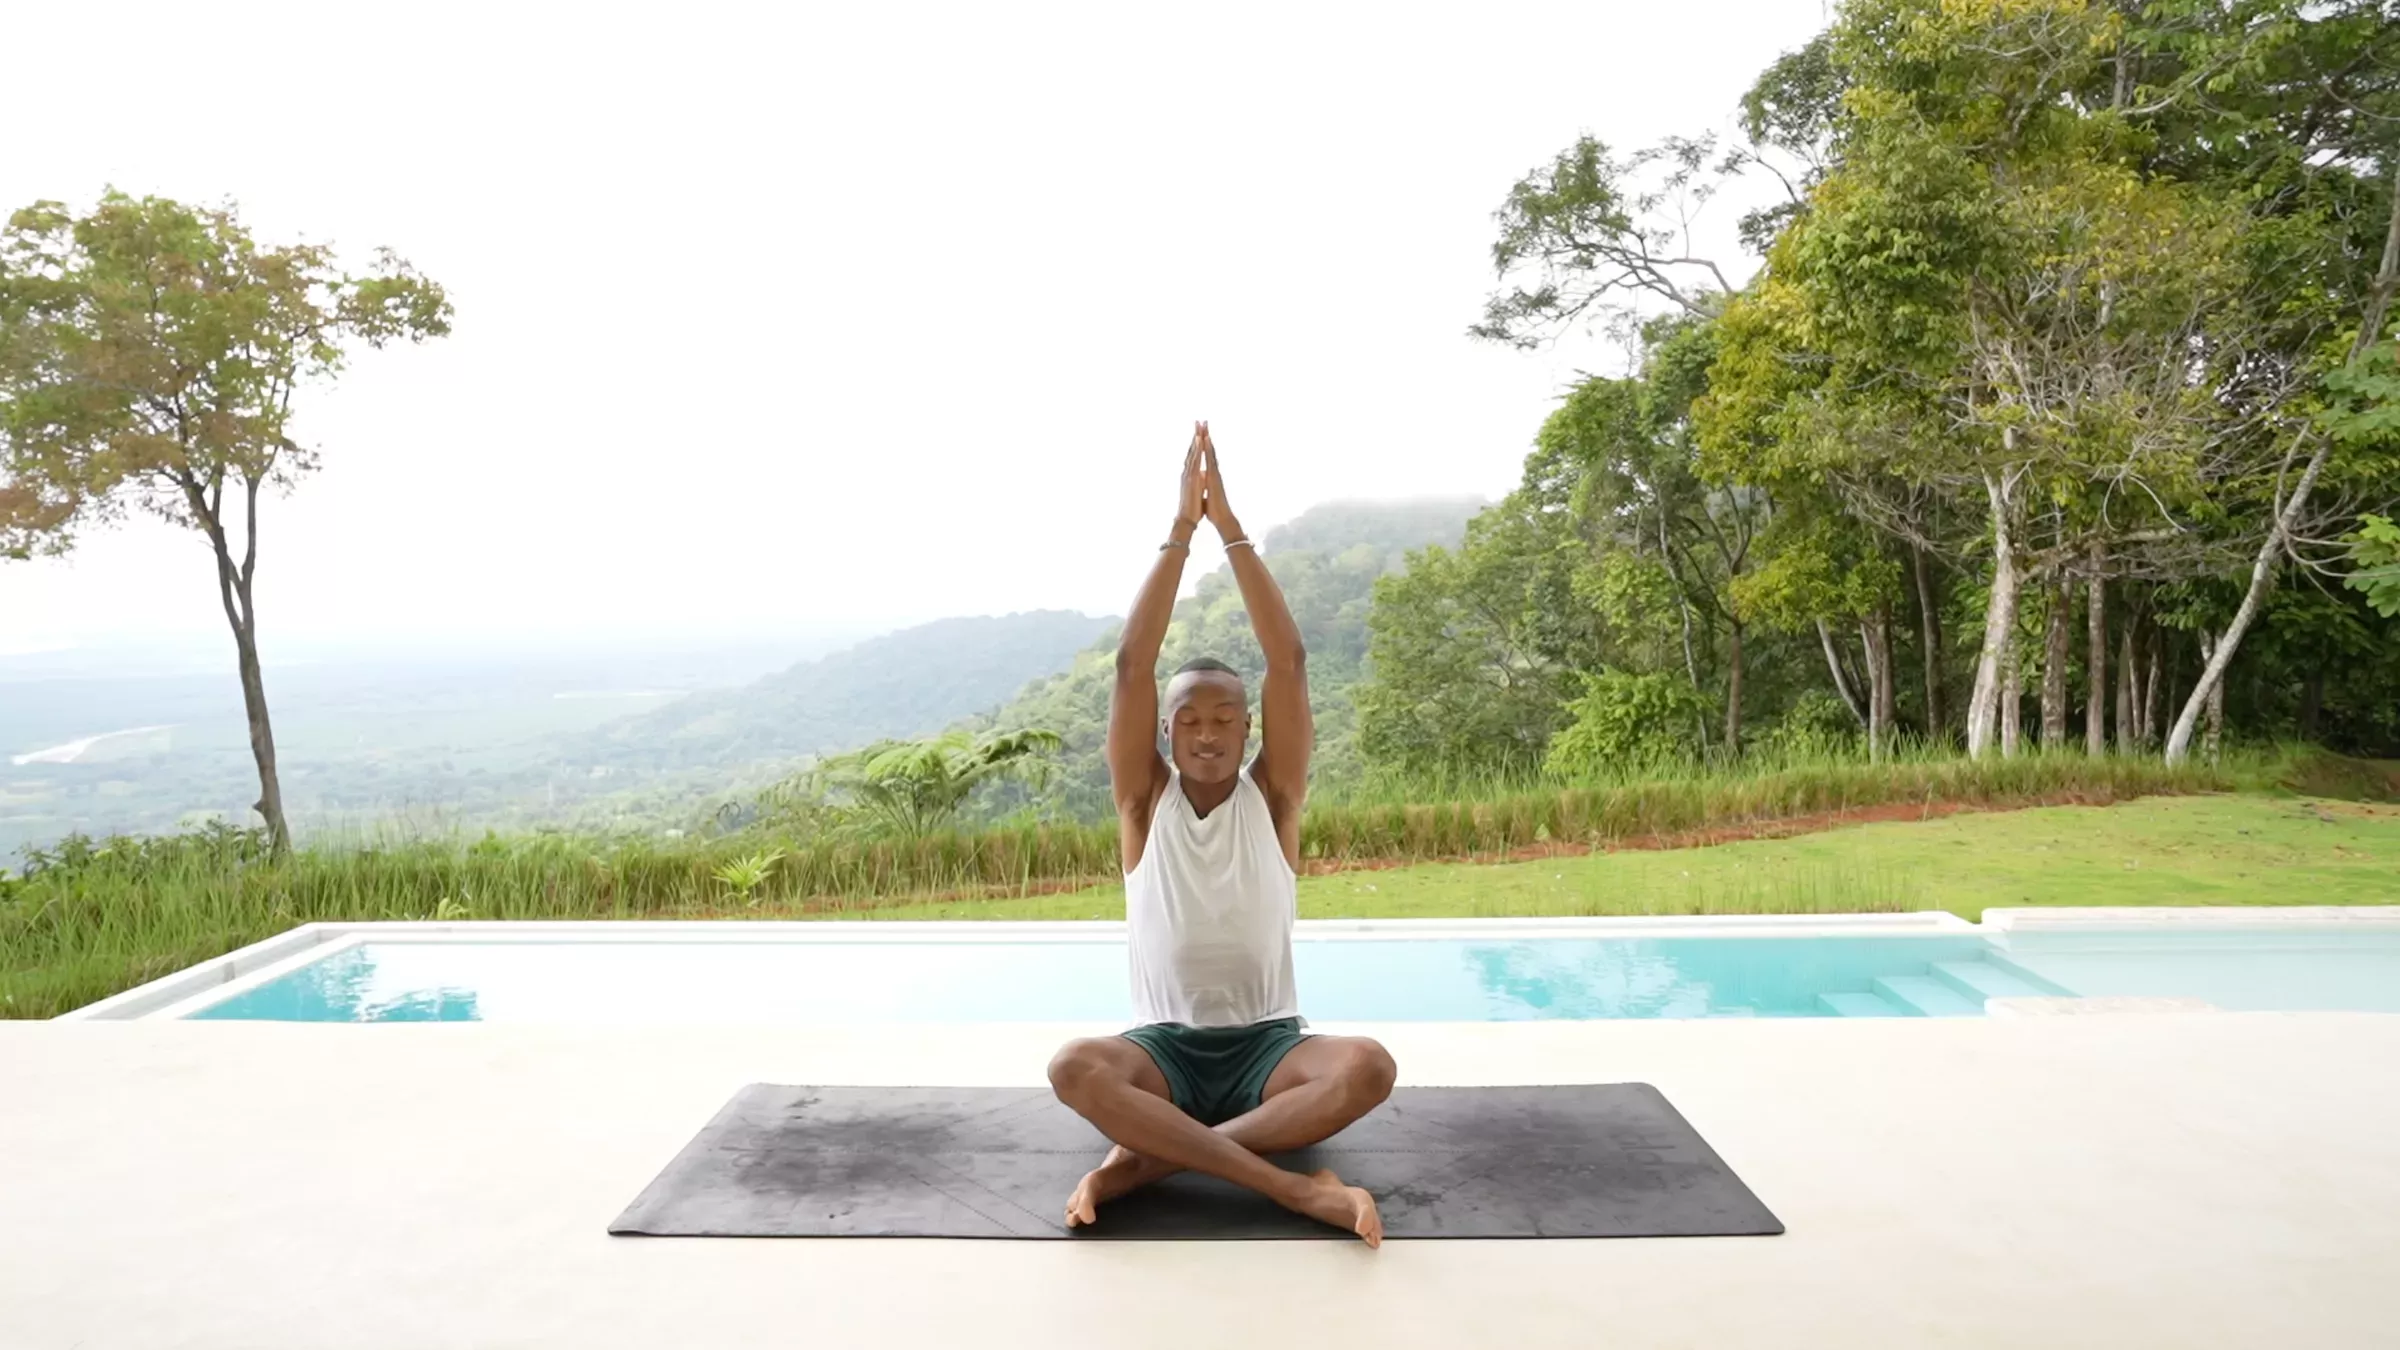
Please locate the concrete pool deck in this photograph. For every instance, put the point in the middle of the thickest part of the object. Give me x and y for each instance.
(2174, 1179)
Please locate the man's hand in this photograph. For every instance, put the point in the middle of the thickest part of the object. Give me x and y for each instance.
(1192, 504)
(1281, 766)
(1219, 513)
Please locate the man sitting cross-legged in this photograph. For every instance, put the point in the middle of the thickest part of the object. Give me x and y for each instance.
(1218, 1073)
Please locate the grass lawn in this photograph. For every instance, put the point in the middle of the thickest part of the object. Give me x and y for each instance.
(2209, 850)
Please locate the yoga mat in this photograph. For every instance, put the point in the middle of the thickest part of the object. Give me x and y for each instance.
(1601, 1160)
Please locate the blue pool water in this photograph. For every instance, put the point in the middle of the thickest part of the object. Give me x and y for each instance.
(1395, 979)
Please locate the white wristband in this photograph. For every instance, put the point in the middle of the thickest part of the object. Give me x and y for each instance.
(1239, 543)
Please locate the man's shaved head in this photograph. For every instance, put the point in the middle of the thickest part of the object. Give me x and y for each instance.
(1202, 669)
(1206, 717)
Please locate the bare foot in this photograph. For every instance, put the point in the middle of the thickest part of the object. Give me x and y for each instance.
(1121, 1171)
(1344, 1207)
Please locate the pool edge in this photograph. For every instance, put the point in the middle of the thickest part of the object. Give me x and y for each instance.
(203, 985)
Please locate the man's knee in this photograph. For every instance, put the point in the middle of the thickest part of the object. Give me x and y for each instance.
(1077, 1063)
(1368, 1069)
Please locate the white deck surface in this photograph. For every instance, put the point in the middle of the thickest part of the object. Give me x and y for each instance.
(2179, 1180)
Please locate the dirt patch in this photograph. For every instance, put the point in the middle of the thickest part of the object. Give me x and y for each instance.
(835, 908)
(2334, 810)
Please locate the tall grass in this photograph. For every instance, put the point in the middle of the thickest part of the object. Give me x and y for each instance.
(90, 919)
(1496, 817)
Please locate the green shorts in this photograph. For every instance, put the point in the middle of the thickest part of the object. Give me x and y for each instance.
(1217, 1073)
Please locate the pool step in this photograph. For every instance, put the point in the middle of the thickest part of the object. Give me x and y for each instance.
(1980, 979)
(1925, 996)
(1860, 1005)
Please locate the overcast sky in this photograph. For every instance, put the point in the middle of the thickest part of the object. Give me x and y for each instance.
(845, 315)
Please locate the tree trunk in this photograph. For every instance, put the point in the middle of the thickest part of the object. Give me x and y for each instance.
(262, 732)
(2173, 661)
(2262, 569)
(2141, 691)
(2012, 703)
(2054, 668)
(2095, 697)
(2129, 732)
(1683, 608)
(2158, 642)
(1875, 632)
(1733, 689)
(2216, 717)
(1929, 634)
(1841, 681)
(1999, 620)
(233, 588)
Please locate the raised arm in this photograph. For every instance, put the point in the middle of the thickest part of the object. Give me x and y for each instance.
(1290, 730)
(1136, 773)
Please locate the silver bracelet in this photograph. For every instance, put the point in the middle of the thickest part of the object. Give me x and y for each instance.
(1174, 543)
(1240, 543)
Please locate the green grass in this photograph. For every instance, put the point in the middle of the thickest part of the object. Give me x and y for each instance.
(2212, 850)
(98, 919)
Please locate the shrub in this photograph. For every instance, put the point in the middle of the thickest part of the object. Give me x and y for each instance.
(1625, 720)
(1817, 725)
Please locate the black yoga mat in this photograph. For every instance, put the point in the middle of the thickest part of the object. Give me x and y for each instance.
(1603, 1160)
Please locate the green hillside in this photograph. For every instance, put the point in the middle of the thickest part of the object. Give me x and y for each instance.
(907, 683)
(1327, 560)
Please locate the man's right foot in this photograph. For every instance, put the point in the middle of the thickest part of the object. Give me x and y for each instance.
(1343, 1206)
(1122, 1171)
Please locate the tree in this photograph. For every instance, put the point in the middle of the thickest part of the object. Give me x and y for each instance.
(2355, 419)
(154, 352)
(1986, 298)
(916, 787)
(1823, 570)
(1618, 461)
(1597, 238)
(1475, 651)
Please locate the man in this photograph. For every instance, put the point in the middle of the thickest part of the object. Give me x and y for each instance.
(1218, 1073)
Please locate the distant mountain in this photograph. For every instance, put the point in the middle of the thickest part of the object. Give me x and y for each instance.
(1330, 527)
(1326, 561)
(510, 744)
(908, 683)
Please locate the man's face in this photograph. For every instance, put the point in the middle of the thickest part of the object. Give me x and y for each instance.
(1208, 725)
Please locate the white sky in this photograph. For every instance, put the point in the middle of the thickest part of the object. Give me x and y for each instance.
(846, 315)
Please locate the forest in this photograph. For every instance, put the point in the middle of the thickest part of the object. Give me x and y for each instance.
(2059, 411)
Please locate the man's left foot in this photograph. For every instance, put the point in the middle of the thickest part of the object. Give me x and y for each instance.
(1123, 1170)
(1344, 1206)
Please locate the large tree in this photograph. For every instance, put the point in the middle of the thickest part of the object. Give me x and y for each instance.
(150, 362)
(1476, 650)
(1989, 296)
(2352, 422)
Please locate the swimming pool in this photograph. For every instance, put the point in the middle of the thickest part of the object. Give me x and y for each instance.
(1887, 966)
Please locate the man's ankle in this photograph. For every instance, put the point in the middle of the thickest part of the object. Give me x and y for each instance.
(1297, 1187)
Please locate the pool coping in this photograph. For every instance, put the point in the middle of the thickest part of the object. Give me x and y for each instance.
(185, 991)
(2138, 918)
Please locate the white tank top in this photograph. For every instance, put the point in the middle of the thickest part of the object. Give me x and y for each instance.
(1208, 914)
